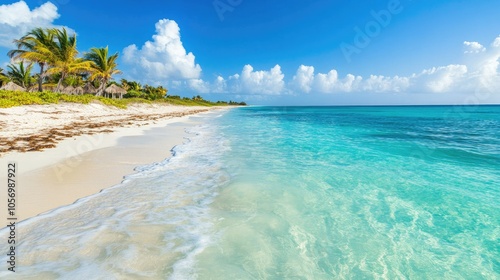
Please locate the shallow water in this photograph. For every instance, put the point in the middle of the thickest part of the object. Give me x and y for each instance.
(297, 192)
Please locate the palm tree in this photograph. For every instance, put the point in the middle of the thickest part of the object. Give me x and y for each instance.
(132, 85)
(103, 67)
(32, 47)
(74, 80)
(124, 84)
(62, 57)
(3, 77)
(21, 75)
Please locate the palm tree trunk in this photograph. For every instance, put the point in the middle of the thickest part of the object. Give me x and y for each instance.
(59, 84)
(100, 90)
(102, 87)
(40, 78)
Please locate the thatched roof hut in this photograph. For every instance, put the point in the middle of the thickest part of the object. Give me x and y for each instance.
(12, 86)
(49, 87)
(68, 90)
(89, 88)
(78, 91)
(115, 91)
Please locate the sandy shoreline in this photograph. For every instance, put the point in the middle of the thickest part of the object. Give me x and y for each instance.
(97, 146)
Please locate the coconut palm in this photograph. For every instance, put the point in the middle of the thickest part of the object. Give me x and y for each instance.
(103, 67)
(21, 75)
(32, 47)
(74, 80)
(124, 84)
(130, 85)
(3, 77)
(62, 57)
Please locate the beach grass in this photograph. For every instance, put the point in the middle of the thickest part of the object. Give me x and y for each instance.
(18, 98)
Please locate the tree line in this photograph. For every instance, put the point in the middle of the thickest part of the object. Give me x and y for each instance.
(56, 54)
(55, 51)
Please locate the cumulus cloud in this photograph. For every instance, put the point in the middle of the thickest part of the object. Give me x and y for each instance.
(481, 73)
(304, 78)
(17, 19)
(220, 85)
(473, 47)
(437, 79)
(440, 79)
(487, 67)
(330, 82)
(199, 85)
(261, 82)
(249, 81)
(378, 83)
(164, 58)
(496, 43)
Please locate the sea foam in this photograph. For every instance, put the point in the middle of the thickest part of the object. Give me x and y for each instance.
(151, 225)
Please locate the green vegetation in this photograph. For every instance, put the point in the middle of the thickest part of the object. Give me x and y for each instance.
(103, 67)
(3, 77)
(62, 57)
(32, 47)
(21, 75)
(74, 78)
(18, 98)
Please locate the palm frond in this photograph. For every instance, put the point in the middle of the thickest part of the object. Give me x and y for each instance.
(103, 66)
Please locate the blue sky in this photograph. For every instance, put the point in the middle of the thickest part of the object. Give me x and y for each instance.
(290, 52)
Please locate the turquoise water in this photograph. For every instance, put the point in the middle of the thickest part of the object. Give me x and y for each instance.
(359, 192)
(295, 193)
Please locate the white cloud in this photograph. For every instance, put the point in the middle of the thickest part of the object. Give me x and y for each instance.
(489, 67)
(496, 43)
(248, 82)
(440, 79)
(199, 85)
(306, 81)
(17, 19)
(480, 73)
(261, 82)
(166, 61)
(330, 82)
(437, 79)
(473, 47)
(385, 84)
(483, 70)
(304, 78)
(220, 85)
(252, 82)
(164, 58)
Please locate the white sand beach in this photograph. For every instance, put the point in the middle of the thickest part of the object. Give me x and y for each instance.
(68, 151)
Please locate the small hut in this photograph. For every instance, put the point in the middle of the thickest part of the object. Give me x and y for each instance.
(115, 91)
(68, 90)
(12, 86)
(49, 87)
(89, 88)
(78, 91)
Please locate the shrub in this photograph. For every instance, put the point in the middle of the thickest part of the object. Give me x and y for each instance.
(18, 98)
(134, 94)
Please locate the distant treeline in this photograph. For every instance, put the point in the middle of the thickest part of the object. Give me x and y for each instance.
(63, 70)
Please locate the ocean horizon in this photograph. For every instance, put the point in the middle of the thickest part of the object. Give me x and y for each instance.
(296, 192)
